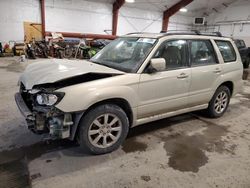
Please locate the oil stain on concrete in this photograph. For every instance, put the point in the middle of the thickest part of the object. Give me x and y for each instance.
(14, 163)
(14, 174)
(187, 153)
(132, 145)
(146, 178)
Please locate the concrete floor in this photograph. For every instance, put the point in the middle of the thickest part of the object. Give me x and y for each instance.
(185, 151)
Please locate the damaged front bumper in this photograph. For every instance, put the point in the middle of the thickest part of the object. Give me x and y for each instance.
(51, 121)
(25, 111)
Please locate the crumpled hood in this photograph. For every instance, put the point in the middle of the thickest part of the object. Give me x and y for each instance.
(53, 70)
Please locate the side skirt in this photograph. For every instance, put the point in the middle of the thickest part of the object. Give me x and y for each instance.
(169, 114)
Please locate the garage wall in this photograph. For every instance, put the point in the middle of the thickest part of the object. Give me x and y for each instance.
(79, 16)
(228, 21)
(136, 20)
(93, 17)
(12, 15)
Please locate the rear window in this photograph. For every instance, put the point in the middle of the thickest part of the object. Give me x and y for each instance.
(227, 51)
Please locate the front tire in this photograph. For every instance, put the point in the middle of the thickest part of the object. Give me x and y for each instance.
(219, 103)
(103, 129)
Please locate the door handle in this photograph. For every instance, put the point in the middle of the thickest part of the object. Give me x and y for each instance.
(182, 75)
(217, 70)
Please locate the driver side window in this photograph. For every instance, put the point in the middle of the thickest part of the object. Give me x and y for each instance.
(174, 53)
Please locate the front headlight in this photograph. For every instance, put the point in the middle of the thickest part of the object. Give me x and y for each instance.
(48, 99)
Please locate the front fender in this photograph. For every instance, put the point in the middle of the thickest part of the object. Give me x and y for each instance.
(77, 99)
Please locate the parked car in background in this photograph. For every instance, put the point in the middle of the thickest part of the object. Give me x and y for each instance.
(244, 52)
(136, 79)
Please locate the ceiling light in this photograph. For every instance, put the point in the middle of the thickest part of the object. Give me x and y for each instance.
(130, 1)
(183, 10)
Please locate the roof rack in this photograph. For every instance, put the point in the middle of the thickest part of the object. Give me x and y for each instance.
(182, 32)
(134, 33)
(191, 32)
(218, 34)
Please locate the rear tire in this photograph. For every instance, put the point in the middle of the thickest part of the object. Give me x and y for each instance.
(103, 129)
(219, 103)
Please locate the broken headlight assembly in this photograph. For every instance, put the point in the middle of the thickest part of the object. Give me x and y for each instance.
(49, 99)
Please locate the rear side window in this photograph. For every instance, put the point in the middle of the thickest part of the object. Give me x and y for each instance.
(202, 53)
(227, 51)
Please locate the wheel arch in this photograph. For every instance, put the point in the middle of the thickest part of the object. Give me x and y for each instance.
(122, 103)
(229, 85)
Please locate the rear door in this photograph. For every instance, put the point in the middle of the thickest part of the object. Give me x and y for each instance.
(205, 71)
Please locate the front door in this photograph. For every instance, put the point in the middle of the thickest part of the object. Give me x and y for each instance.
(166, 91)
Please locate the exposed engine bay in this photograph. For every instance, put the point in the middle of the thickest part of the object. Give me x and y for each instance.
(42, 116)
(45, 118)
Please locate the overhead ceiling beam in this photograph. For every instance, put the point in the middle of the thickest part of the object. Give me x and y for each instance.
(116, 6)
(171, 11)
(42, 4)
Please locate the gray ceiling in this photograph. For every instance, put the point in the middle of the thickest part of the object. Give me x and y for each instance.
(197, 7)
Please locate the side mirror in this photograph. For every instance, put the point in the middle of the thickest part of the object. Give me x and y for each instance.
(158, 64)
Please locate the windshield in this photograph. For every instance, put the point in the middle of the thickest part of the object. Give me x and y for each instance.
(125, 54)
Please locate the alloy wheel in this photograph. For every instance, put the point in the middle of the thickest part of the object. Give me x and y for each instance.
(105, 130)
(221, 102)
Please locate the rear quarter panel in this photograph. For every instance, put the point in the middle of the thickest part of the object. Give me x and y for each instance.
(231, 71)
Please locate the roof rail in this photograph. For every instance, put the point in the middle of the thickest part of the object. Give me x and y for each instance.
(180, 31)
(134, 33)
(192, 32)
(183, 32)
(218, 34)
